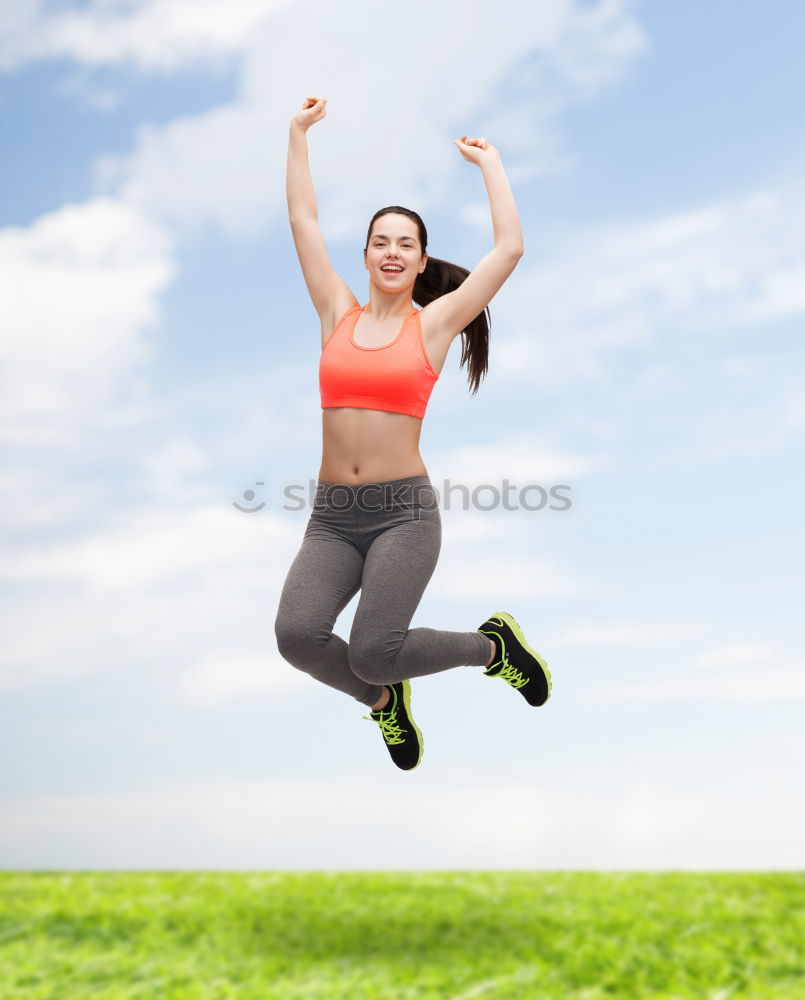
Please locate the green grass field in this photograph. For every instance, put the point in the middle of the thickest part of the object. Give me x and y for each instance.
(452, 935)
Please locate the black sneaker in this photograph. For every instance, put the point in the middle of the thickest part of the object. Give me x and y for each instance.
(516, 662)
(400, 732)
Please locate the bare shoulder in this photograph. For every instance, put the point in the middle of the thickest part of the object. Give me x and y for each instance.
(340, 302)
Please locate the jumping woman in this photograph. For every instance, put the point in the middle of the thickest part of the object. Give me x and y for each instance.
(375, 524)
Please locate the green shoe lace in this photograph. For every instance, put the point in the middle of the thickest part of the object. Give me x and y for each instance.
(392, 733)
(512, 675)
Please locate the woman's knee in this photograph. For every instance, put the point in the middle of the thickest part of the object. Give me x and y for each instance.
(299, 642)
(373, 661)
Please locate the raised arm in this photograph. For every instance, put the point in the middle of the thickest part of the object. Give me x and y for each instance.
(453, 312)
(326, 289)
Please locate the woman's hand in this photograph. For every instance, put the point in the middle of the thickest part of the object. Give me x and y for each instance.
(476, 151)
(313, 110)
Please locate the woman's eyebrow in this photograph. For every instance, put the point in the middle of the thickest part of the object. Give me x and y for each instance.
(382, 236)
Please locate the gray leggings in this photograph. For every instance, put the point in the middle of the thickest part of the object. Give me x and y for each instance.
(384, 540)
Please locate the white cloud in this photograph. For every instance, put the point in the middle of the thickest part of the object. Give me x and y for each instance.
(223, 166)
(227, 166)
(715, 268)
(737, 428)
(586, 47)
(730, 655)
(80, 288)
(157, 36)
(622, 634)
(519, 458)
(19, 22)
(33, 496)
(276, 823)
(501, 575)
(222, 675)
(765, 683)
(503, 568)
(150, 587)
(742, 367)
(148, 548)
(471, 526)
(598, 42)
(103, 99)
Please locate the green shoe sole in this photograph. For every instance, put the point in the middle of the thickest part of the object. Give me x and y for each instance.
(514, 626)
(407, 702)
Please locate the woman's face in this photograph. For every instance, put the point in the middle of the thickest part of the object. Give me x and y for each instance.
(394, 241)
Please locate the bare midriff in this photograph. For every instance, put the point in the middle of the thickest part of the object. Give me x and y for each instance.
(369, 446)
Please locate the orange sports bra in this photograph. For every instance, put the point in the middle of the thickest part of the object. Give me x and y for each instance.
(396, 376)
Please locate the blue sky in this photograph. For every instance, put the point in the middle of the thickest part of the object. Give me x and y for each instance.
(160, 356)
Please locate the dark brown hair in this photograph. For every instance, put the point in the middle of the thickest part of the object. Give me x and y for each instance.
(439, 278)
